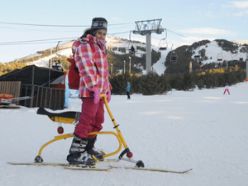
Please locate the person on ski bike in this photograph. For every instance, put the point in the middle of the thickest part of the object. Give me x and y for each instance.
(89, 53)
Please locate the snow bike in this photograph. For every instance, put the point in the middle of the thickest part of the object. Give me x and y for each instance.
(72, 118)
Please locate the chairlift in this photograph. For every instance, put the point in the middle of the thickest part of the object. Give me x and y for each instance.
(132, 50)
(163, 45)
(197, 58)
(56, 64)
(220, 57)
(162, 48)
(173, 57)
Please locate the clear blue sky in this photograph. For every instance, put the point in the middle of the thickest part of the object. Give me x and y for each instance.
(192, 19)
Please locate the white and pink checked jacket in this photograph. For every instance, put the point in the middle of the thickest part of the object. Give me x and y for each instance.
(91, 59)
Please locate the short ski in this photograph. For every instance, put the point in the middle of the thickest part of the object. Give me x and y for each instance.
(151, 169)
(39, 164)
(106, 168)
(64, 165)
(71, 167)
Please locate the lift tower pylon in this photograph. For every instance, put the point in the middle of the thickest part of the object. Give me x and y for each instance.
(146, 28)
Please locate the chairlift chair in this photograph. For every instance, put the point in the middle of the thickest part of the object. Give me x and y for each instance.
(173, 57)
(132, 50)
(220, 57)
(197, 58)
(163, 45)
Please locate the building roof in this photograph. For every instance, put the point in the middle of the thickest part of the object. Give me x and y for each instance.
(32, 75)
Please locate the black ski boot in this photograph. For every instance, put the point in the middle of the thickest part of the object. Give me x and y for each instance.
(78, 154)
(99, 155)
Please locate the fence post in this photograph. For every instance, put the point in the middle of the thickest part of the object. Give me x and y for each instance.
(32, 88)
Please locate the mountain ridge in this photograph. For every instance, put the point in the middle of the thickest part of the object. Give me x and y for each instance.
(200, 53)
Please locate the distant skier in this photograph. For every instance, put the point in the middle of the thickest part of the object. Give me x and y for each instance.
(89, 53)
(128, 90)
(226, 90)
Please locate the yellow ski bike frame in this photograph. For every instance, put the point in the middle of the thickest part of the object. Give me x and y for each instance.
(121, 141)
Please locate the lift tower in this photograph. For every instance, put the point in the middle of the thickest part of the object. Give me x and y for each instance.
(146, 28)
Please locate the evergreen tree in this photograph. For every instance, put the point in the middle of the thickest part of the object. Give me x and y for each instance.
(152, 84)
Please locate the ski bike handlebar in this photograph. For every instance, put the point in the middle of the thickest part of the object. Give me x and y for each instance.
(116, 127)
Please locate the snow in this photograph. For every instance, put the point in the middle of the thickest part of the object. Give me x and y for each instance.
(214, 53)
(65, 52)
(159, 66)
(117, 45)
(114, 42)
(44, 61)
(201, 129)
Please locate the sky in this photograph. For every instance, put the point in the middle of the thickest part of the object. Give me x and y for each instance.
(185, 21)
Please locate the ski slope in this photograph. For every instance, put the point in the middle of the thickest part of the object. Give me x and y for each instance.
(159, 66)
(201, 129)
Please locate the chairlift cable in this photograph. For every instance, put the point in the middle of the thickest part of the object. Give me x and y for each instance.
(50, 39)
(181, 35)
(53, 25)
(34, 41)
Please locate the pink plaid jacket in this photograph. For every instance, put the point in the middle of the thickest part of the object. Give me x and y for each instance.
(91, 59)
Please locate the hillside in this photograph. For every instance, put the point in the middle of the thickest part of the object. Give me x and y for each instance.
(118, 51)
(206, 54)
